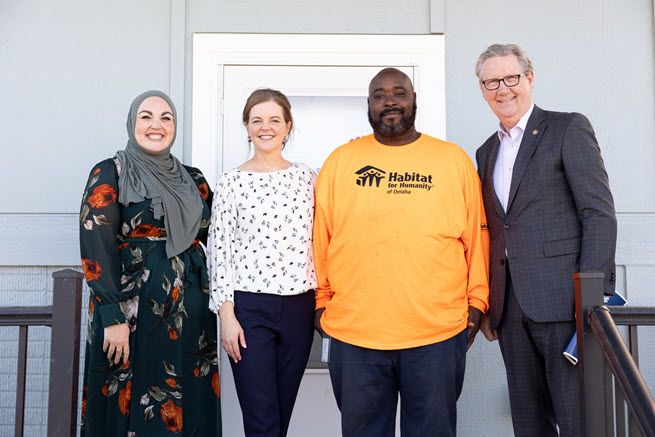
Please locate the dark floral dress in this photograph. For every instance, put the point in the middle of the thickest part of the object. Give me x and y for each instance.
(171, 384)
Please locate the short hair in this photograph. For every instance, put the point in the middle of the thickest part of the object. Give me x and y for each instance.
(496, 50)
(263, 95)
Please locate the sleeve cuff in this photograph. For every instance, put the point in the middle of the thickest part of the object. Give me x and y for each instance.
(476, 303)
(111, 314)
(321, 300)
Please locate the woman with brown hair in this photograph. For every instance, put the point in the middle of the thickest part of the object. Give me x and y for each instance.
(262, 270)
(151, 364)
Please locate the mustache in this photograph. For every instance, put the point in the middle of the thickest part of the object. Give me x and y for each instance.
(392, 111)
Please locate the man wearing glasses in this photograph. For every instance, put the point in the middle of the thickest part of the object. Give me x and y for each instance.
(550, 214)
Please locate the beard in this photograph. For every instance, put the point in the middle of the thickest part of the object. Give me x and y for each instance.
(395, 130)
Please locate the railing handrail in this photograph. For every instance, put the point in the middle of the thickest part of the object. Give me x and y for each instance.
(624, 369)
(26, 316)
(632, 315)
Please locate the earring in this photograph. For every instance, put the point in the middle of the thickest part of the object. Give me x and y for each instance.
(284, 141)
(249, 139)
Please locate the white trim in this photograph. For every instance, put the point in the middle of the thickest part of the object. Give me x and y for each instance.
(213, 51)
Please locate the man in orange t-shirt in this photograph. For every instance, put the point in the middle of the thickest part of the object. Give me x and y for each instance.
(400, 247)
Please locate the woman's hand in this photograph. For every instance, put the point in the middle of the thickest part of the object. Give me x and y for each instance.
(231, 332)
(117, 343)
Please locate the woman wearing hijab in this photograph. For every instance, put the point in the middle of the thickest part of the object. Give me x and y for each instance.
(262, 268)
(151, 364)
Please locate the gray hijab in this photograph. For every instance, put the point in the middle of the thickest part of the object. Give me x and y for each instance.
(161, 178)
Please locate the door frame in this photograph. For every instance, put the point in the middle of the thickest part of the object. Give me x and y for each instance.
(211, 52)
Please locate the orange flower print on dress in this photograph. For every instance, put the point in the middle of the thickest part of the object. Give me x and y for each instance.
(95, 171)
(83, 402)
(196, 371)
(203, 189)
(92, 270)
(171, 415)
(104, 390)
(103, 195)
(124, 396)
(171, 382)
(172, 334)
(122, 246)
(142, 231)
(175, 294)
(216, 384)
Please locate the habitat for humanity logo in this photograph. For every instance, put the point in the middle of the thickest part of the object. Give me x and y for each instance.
(369, 175)
(397, 182)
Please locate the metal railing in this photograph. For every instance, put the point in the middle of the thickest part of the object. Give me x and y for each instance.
(63, 316)
(610, 379)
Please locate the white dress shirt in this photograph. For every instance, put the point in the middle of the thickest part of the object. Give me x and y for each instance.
(507, 152)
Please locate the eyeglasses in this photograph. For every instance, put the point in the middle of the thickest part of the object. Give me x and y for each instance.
(509, 81)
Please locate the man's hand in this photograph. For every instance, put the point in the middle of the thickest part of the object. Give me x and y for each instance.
(485, 327)
(317, 320)
(475, 317)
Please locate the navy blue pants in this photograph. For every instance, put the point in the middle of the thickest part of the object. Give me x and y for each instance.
(366, 384)
(279, 331)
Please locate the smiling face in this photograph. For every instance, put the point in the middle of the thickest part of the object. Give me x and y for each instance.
(154, 128)
(508, 103)
(267, 127)
(391, 104)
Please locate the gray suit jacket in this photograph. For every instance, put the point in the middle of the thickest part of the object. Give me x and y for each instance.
(560, 217)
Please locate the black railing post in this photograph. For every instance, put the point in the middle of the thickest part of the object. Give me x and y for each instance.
(66, 314)
(20, 381)
(591, 374)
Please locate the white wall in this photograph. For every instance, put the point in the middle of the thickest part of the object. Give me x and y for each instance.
(69, 70)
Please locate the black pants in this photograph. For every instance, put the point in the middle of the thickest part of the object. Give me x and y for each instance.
(543, 385)
(366, 384)
(279, 332)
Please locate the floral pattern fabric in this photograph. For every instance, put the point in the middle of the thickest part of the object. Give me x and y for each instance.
(170, 386)
(260, 238)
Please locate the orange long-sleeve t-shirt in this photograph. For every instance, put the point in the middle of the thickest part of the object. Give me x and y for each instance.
(400, 243)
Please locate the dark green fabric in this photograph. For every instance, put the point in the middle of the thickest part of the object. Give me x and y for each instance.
(171, 383)
(111, 314)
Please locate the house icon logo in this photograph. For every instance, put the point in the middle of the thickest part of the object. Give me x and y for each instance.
(369, 175)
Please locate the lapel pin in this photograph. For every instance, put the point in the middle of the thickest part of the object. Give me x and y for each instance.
(535, 132)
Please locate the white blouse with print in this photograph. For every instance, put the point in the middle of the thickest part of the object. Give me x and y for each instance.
(260, 237)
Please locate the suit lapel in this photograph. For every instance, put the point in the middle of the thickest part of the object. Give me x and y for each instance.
(491, 164)
(531, 137)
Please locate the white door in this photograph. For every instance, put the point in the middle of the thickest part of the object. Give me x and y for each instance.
(329, 108)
